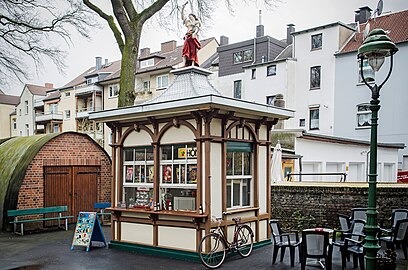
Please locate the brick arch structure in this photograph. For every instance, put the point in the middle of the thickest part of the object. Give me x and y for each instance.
(68, 157)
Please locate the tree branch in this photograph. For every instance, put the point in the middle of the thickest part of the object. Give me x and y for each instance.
(111, 23)
(150, 11)
(122, 18)
(130, 9)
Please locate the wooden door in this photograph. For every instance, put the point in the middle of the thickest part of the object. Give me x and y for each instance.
(57, 189)
(85, 188)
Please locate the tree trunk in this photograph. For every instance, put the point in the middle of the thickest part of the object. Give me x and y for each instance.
(127, 75)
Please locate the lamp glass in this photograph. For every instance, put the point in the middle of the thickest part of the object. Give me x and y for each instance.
(376, 61)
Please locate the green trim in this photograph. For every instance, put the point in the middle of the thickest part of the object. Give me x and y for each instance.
(170, 253)
(239, 147)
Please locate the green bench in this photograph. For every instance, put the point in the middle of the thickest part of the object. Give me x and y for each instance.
(17, 214)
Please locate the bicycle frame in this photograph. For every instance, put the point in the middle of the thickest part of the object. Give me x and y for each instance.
(220, 231)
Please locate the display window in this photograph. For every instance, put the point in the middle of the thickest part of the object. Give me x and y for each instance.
(178, 177)
(138, 175)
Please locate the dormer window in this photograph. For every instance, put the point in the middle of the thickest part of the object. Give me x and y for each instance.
(91, 80)
(147, 63)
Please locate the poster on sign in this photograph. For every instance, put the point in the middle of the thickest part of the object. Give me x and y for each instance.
(87, 230)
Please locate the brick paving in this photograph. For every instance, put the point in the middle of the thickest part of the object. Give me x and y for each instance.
(51, 250)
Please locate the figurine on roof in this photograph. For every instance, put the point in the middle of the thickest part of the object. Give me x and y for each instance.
(191, 43)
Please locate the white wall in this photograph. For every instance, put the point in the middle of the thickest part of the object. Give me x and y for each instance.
(327, 157)
(393, 97)
(23, 118)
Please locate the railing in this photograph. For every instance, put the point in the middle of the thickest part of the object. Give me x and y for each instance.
(48, 116)
(343, 179)
(38, 102)
(87, 89)
(84, 112)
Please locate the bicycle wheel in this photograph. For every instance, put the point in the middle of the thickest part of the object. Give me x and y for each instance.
(212, 250)
(244, 240)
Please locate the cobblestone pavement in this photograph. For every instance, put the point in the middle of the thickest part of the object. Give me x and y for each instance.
(51, 250)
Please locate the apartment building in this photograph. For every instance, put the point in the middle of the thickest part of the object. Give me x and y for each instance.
(8, 120)
(30, 111)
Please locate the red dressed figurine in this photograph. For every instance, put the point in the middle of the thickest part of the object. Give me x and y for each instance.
(191, 43)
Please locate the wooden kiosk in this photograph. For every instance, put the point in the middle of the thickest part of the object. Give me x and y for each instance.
(183, 157)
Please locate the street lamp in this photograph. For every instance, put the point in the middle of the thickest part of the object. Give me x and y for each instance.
(375, 48)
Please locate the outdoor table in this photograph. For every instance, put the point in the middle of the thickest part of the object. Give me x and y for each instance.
(318, 262)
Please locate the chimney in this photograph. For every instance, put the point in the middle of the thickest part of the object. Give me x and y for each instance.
(49, 85)
(363, 14)
(98, 64)
(144, 52)
(224, 40)
(289, 31)
(260, 31)
(168, 46)
(106, 62)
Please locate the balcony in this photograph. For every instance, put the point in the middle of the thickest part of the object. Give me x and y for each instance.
(84, 112)
(87, 90)
(48, 116)
(38, 103)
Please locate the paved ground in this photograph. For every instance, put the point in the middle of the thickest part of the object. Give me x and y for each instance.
(51, 250)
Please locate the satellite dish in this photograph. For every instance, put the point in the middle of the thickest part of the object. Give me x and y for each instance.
(380, 6)
(366, 30)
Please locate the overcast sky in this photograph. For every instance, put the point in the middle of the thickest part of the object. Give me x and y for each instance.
(239, 26)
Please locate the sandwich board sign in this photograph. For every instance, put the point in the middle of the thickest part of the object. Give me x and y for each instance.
(87, 230)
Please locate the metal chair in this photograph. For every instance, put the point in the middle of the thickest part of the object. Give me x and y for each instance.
(355, 247)
(345, 224)
(316, 244)
(396, 236)
(355, 233)
(282, 240)
(397, 214)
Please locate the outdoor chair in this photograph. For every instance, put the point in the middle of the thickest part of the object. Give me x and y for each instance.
(358, 213)
(355, 247)
(355, 233)
(345, 224)
(316, 245)
(396, 236)
(282, 240)
(397, 214)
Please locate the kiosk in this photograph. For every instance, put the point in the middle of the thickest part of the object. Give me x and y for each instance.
(184, 157)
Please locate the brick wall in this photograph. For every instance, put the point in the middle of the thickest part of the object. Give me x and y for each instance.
(324, 202)
(67, 149)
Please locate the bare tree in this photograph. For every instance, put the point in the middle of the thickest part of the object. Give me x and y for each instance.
(131, 16)
(27, 29)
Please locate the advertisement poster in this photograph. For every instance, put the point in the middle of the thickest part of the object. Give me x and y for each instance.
(167, 173)
(129, 174)
(87, 229)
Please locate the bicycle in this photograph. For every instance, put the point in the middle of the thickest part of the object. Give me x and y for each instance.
(215, 245)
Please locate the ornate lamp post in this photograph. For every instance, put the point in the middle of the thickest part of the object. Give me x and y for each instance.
(375, 48)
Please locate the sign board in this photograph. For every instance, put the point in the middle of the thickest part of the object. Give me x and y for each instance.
(402, 177)
(87, 230)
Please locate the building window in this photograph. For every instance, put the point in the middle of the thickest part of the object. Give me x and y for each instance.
(91, 80)
(270, 100)
(253, 74)
(53, 108)
(26, 106)
(237, 56)
(314, 118)
(271, 70)
(247, 55)
(242, 56)
(14, 124)
(315, 77)
(368, 71)
(178, 176)
(67, 114)
(302, 122)
(56, 128)
(146, 86)
(147, 63)
(67, 94)
(19, 112)
(237, 89)
(239, 174)
(162, 81)
(27, 129)
(363, 115)
(113, 90)
(316, 41)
